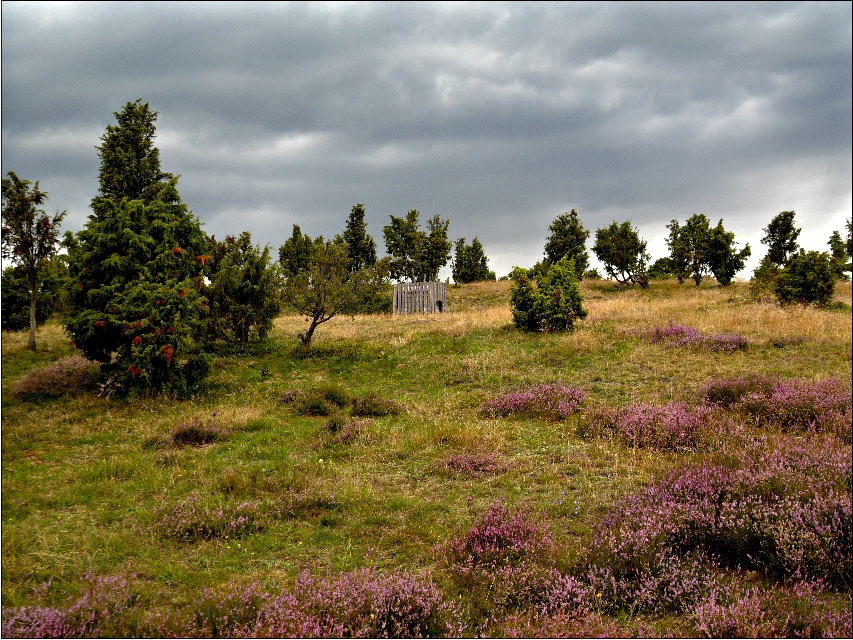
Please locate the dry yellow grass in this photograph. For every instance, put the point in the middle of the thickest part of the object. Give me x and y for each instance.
(708, 309)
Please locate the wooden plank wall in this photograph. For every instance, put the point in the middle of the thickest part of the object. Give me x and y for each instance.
(420, 297)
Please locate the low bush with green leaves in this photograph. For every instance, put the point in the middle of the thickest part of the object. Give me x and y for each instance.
(809, 278)
(554, 304)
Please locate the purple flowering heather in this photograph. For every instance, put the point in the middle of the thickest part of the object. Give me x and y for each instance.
(190, 521)
(499, 537)
(554, 401)
(729, 391)
(726, 342)
(474, 464)
(798, 610)
(361, 603)
(97, 612)
(782, 507)
(677, 335)
(671, 426)
(795, 405)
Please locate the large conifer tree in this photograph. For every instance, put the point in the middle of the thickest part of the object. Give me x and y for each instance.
(137, 267)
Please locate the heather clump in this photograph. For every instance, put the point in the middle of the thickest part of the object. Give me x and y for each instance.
(196, 433)
(799, 610)
(554, 401)
(101, 610)
(230, 613)
(729, 391)
(374, 405)
(503, 563)
(473, 464)
(324, 400)
(677, 335)
(63, 377)
(345, 429)
(364, 603)
(291, 396)
(332, 393)
(499, 538)
(191, 520)
(673, 426)
(798, 405)
(781, 507)
(726, 342)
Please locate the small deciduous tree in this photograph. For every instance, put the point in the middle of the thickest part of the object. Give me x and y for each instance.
(679, 252)
(568, 238)
(326, 288)
(695, 235)
(781, 238)
(435, 249)
(661, 269)
(29, 239)
(403, 239)
(623, 253)
(416, 255)
(723, 261)
(16, 295)
(808, 278)
(470, 263)
(243, 293)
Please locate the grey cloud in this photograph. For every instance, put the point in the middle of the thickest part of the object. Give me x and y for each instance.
(499, 116)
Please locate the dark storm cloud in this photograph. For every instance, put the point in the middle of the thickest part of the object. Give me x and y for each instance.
(498, 116)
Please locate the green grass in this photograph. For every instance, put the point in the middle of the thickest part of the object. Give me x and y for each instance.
(82, 483)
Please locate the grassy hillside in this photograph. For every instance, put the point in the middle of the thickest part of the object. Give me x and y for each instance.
(103, 488)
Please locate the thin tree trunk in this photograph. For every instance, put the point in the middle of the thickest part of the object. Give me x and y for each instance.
(31, 342)
(306, 338)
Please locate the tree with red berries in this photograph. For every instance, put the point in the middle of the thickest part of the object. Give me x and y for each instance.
(137, 269)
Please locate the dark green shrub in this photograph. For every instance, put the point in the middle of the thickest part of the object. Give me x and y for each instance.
(522, 301)
(314, 404)
(333, 393)
(559, 300)
(243, 291)
(375, 406)
(808, 278)
(196, 369)
(377, 299)
(553, 305)
(762, 287)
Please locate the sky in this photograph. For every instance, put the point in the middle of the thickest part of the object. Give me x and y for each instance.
(497, 117)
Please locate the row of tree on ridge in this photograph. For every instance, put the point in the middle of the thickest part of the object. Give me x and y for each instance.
(144, 290)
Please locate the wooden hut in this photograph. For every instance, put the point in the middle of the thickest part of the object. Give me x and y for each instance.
(420, 297)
